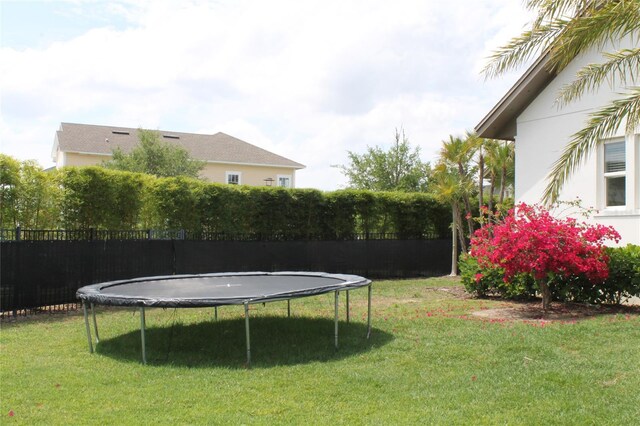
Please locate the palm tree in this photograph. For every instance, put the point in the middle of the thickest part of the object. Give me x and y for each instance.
(456, 154)
(492, 172)
(447, 186)
(478, 145)
(501, 161)
(452, 182)
(562, 30)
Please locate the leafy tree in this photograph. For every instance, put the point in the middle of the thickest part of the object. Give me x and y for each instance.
(155, 157)
(564, 29)
(399, 169)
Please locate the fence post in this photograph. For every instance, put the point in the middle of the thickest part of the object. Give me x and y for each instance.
(18, 233)
(92, 232)
(148, 234)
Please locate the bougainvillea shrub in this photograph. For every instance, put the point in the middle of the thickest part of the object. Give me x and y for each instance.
(529, 240)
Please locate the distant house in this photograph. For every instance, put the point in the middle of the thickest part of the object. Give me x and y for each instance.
(228, 159)
(609, 181)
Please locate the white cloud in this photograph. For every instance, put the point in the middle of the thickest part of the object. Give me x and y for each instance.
(307, 80)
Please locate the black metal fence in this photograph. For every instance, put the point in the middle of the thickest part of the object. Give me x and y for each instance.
(37, 272)
(18, 234)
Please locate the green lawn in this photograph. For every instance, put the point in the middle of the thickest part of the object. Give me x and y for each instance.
(428, 362)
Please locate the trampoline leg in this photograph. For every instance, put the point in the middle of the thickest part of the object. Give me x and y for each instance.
(86, 324)
(347, 306)
(369, 312)
(215, 313)
(142, 327)
(95, 323)
(246, 326)
(288, 308)
(336, 320)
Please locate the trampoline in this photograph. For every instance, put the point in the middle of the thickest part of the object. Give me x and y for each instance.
(214, 290)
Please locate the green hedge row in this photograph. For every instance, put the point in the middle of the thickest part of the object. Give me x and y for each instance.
(623, 281)
(105, 199)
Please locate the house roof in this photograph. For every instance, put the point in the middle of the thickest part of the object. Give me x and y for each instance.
(217, 148)
(500, 122)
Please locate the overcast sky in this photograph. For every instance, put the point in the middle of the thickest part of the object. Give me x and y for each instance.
(309, 80)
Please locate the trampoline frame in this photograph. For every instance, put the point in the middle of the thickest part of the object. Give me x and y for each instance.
(90, 297)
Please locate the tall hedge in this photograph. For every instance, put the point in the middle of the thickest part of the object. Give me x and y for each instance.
(29, 196)
(95, 197)
(108, 199)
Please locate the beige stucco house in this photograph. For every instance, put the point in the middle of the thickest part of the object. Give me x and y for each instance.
(228, 159)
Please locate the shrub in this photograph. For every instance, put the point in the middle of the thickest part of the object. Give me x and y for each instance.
(529, 240)
(489, 281)
(622, 282)
(624, 273)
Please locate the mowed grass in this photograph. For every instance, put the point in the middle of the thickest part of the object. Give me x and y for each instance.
(428, 361)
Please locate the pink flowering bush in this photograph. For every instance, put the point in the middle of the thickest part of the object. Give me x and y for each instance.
(530, 241)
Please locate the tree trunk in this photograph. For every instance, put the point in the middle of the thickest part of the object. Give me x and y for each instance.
(481, 181)
(467, 206)
(503, 183)
(454, 243)
(546, 295)
(491, 189)
(467, 203)
(459, 227)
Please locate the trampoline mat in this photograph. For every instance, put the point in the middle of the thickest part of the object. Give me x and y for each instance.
(216, 289)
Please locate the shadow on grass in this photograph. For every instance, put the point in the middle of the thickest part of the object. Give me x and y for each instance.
(274, 341)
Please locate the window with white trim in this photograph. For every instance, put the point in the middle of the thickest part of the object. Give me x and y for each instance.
(233, 178)
(284, 181)
(615, 174)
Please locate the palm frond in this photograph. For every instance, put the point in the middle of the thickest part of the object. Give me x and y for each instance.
(549, 10)
(622, 65)
(522, 48)
(566, 28)
(594, 27)
(602, 124)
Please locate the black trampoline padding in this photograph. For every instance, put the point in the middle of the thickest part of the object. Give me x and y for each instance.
(216, 289)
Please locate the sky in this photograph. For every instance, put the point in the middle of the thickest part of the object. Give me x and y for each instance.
(308, 80)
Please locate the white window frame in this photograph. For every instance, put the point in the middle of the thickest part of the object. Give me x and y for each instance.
(232, 173)
(290, 177)
(631, 174)
(608, 175)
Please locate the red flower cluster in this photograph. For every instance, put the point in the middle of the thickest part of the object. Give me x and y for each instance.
(530, 240)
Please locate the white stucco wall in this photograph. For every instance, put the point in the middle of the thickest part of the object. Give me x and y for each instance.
(543, 130)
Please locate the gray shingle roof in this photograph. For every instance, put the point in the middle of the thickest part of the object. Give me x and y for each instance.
(220, 147)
